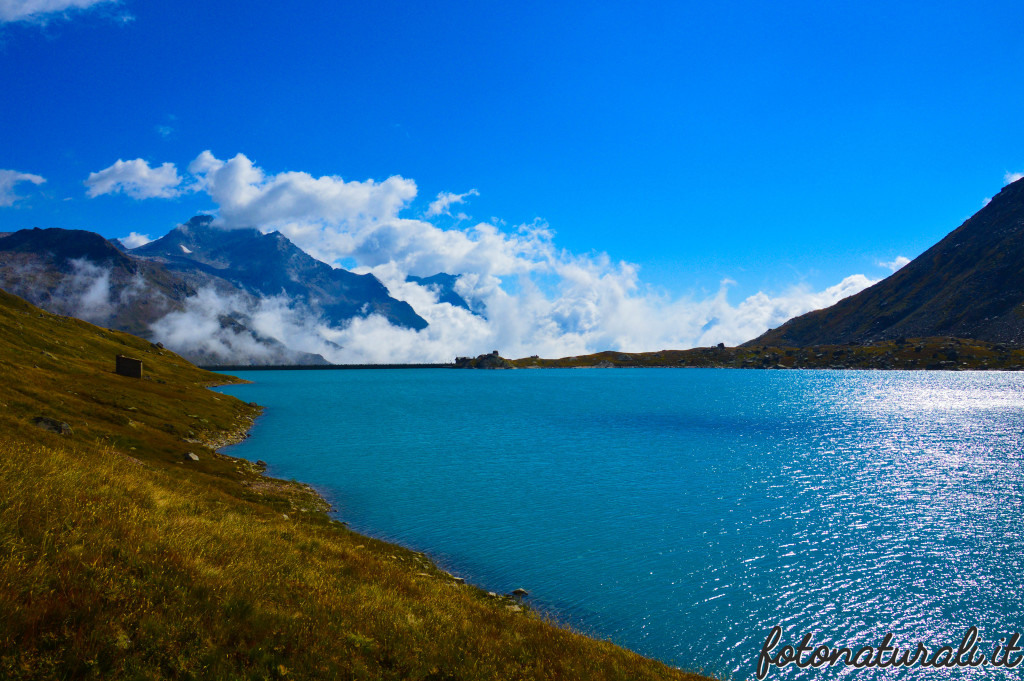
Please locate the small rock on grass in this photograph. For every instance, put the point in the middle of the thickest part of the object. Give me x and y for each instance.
(53, 425)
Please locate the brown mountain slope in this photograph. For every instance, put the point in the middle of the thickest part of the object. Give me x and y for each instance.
(969, 285)
(79, 273)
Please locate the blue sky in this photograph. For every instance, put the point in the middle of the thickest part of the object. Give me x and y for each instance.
(775, 145)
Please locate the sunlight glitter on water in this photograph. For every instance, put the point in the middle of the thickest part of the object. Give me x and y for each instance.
(683, 513)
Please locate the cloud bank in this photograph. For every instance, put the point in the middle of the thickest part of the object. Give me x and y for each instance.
(40, 10)
(210, 328)
(533, 297)
(8, 179)
(136, 179)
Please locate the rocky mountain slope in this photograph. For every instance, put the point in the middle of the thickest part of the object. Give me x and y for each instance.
(270, 265)
(81, 274)
(969, 285)
(204, 292)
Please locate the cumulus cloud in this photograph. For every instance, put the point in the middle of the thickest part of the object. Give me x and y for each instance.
(134, 240)
(896, 263)
(1012, 177)
(8, 179)
(136, 179)
(41, 10)
(445, 200)
(319, 213)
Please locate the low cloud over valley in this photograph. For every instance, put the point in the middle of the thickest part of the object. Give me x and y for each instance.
(527, 296)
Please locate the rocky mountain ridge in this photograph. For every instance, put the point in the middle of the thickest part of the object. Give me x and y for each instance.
(270, 265)
(969, 285)
(199, 289)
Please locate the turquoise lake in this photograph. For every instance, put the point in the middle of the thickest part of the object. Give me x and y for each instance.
(683, 513)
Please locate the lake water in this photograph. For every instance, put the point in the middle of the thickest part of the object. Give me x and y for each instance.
(683, 513)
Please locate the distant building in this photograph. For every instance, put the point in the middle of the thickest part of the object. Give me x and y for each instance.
(129, 366)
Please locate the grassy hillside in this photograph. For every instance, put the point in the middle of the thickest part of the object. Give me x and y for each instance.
(123, 557)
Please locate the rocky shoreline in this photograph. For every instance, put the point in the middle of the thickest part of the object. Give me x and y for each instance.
(304, 498)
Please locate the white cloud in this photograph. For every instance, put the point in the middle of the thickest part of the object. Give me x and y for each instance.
(594, 309)
(9, 178)
(40, 10)
(134, 240)
(319, 213)
(1012, 177)
(534, 297)
(204, 329)
(442, 205)
(136, 179)
(896, 263)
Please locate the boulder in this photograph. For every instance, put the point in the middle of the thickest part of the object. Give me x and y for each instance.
(53, 425)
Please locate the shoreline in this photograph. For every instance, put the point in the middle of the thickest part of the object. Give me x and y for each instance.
(515, 602)
(322, 504)
(939, 353)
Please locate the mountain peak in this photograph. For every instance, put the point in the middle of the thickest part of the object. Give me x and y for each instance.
(208, 273)
(199, 221)
(271, 265)
(64, 245)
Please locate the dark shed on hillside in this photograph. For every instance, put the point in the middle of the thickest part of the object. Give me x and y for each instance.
(128, 366)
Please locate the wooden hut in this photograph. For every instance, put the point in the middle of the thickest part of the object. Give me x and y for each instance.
(129, 366)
